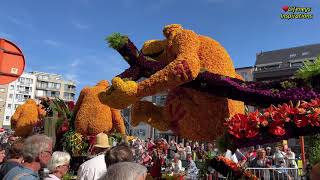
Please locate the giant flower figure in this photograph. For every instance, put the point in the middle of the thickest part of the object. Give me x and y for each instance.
(26, 117)
(189, 113)
(93, 117)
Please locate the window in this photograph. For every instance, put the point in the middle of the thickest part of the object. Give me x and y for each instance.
(10, 96)
(139, 132)
(50, 85)
(19, 97)
(11, 87)
(25, 97)
(7, 118)
(58, 85)
(66, 95)
(269, 67)
(2, 89)
(21, 79)
(293, 55)
(41, 93)
(28, 89)
(296, 64)
(244, 75)
(44, 84)
(305, 53)
(9, 106)
(54, 93)
(44, 77)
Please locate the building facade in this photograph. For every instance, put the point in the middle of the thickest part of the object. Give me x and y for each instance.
(246, 72)
(33, 85)
(3, 97)
(283, 63)
(53, 85)
(18, 92)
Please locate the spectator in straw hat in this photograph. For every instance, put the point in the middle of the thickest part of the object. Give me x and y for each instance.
(95, 168)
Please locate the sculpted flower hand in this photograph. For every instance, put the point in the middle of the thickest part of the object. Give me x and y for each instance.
(121, 94)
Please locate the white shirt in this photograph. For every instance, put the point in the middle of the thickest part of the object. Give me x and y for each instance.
(231, 156)
(177, 166)
(51, 177)
(92, 169)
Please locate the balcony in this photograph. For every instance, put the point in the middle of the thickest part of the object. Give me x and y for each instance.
(24, 92)
(69, 98)
(47, 88)
(71, 90)
(25, 83)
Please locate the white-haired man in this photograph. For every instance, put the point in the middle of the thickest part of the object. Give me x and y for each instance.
(36, 152)
(126, 171)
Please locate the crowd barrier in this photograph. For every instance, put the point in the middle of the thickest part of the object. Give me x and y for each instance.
(267, 174)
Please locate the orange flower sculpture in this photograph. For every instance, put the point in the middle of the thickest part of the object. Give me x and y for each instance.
(93, 117)
(26, 117)
(189, 113)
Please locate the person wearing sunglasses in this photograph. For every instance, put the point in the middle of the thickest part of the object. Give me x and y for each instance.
(58, 165)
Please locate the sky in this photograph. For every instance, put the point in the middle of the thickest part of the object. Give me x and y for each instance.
(68, 36)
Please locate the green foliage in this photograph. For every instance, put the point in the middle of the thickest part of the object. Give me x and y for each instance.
(68, 176)
(314, 148)
(75, 143)
(287, 84)
(116, 40)
(309, 69)
(62, 108)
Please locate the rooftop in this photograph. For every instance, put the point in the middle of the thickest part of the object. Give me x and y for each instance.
(288, 54)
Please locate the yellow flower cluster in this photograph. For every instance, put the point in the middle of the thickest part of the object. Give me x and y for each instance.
(121, 94)
(153, 47)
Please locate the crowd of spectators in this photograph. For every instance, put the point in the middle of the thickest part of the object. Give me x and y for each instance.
(26, 159)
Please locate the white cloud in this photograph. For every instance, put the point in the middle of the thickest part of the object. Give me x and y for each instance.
(19, 22)
(51, 42)
(80, 25)
(75, 63)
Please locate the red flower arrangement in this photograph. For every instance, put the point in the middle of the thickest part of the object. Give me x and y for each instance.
(284, 121)
(230, 169)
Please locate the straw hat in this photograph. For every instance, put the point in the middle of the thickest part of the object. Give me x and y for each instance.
(102, 141)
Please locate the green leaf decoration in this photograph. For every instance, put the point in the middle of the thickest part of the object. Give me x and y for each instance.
(309, 69)
(116, 40)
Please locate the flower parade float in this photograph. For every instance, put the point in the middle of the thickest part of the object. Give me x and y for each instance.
(273, 124)
(184, 54)
(87, 118)
(261, 94)
(229, 169)
(26, 117)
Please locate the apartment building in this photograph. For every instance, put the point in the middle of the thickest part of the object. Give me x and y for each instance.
(33, 85)
(283, 63)
(53, 85)
(3, 97)
(18, 92)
